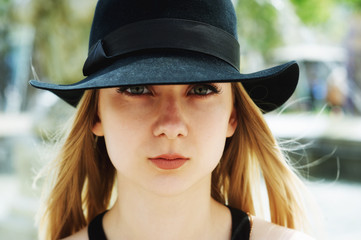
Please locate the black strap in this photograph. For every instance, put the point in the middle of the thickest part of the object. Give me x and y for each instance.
(240, 224)
(95, 228)
(163, 33)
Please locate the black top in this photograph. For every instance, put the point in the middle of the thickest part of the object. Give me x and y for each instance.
(240, 226)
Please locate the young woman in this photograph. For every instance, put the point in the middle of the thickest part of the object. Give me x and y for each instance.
(168, 128)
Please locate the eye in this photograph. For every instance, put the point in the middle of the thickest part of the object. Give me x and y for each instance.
(134, 90)
(204, 89)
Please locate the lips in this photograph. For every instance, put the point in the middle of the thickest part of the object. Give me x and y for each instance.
(169, 161)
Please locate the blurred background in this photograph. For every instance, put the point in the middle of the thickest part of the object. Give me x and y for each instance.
(49, 40)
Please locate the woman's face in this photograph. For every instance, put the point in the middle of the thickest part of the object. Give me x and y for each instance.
(166, 138)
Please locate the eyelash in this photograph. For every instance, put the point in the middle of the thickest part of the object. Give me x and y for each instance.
(123, 90)
(212, 87)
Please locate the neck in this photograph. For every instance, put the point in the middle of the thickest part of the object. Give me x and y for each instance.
(191, 214)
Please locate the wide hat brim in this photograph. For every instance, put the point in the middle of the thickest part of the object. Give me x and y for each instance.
(268, 88)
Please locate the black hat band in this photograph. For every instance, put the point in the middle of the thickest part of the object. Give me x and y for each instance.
(163, 33)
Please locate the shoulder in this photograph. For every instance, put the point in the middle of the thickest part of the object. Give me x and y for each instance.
(81, 235)
(262, 229)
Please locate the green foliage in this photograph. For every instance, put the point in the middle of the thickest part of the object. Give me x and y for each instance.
(258, 20)
(313, 11)
(257, 25)
(354, 4)
(61, 41)
(5, 6)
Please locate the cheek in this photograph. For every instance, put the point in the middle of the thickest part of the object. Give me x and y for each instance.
(211, 134)
(122, 140)
(213, 119)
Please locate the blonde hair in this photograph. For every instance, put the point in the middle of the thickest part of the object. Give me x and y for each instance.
(251, 152)
(84, 176)
(78, 176)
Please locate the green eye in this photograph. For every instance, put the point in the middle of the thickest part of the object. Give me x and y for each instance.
(134, 90)
(203, 90)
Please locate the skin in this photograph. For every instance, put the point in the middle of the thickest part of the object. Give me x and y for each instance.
(169, 204)
(191, 120)
(167, 120)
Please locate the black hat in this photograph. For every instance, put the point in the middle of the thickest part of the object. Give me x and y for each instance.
(141, 42)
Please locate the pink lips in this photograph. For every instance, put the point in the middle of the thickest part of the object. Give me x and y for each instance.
(169, 161)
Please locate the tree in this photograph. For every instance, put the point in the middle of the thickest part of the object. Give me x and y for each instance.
(257, 25)
(61, 42)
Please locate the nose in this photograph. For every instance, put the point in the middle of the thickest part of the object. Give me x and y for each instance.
(170, 121)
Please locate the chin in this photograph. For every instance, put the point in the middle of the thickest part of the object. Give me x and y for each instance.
(174, 185)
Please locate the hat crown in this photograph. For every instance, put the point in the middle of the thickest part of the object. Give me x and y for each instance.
(113, 14)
